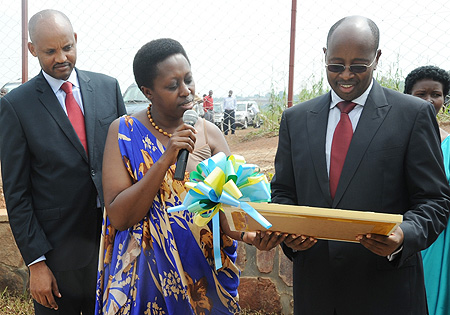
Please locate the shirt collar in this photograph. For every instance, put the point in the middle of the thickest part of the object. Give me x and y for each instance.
(361, 100)
(55, 84)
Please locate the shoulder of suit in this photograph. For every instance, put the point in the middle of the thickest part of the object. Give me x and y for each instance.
(84, 74)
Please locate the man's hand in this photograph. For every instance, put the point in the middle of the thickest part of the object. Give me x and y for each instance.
(382, 245)
(43, 286)
(299, 242)
(265, 240)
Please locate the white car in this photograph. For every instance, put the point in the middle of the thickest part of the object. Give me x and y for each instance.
(11, 85)
(246, 114)
(218, 115)
(134, 99)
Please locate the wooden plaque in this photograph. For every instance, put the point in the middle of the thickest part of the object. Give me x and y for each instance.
(322, 223)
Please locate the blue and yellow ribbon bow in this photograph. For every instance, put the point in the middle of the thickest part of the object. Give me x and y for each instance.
(224, 180)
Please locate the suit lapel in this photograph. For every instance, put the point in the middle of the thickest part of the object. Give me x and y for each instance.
(372, 116)
(317, 120)
(87, 93)
(51, 103)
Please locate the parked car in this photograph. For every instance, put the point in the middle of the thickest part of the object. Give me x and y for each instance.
(246, 114)
(7, 87)
(218, 115)
(134, 99)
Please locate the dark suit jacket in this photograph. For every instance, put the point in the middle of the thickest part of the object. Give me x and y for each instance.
(50, 184)
(394, 165)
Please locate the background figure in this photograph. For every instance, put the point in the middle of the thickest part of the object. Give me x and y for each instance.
(432, 84)
(229, 106)
(208, 106)
(154, 261)
(52, 167)
(381, 156)
(3, 92)
(256, 119)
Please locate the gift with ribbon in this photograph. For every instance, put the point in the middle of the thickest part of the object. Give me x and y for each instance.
(224, 180)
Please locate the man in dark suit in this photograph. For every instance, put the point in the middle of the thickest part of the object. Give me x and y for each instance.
(393, 164)
(52, 167)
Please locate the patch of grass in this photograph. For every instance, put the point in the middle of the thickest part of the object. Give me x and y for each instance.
(392, 77)
(15, 304)
(259, 133)
(318, 87)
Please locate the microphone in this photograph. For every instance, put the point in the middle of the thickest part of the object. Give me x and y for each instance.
(190, 117)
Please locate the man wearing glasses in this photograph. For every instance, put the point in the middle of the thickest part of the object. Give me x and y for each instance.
(361, 147)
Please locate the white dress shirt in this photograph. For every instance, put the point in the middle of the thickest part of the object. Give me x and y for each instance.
(335, 115)
(229, 103)
(55, 84)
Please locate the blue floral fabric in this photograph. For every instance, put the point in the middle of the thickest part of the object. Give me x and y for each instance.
(164, 264)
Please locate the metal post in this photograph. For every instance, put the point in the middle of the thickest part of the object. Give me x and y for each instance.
(24, 41)
(292, 53)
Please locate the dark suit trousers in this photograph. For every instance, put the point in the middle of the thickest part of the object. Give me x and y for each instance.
(77, 288)
(229, 118)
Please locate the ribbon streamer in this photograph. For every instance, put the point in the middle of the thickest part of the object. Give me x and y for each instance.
(224, 180)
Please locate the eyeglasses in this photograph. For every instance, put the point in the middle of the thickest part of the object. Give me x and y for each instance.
(356, 68)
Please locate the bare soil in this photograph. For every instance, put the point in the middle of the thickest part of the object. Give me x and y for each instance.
(255, 148)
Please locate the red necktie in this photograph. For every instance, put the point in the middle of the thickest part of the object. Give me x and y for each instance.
(76, 117)
(341, 141)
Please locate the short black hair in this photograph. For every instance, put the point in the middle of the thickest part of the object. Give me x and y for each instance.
(373, 27)
(427, 72)
(148, 57)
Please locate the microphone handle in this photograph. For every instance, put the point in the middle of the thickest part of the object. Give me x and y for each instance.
(181, 164)
(183, 155)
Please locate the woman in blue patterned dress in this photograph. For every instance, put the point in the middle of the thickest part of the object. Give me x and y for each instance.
(153, 262)
(433, 84)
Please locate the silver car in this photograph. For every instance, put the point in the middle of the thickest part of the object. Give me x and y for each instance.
(134, 99)
(10, 86)
(218, 115)
(246, 114)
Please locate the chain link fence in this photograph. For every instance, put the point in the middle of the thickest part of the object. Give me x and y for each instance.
(237, 45)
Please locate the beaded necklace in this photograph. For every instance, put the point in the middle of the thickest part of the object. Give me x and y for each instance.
(154, 124)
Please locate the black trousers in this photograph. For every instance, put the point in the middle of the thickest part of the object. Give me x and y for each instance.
(77, 288)
(228, 119)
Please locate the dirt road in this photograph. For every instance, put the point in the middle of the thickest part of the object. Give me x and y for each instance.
(259, 150)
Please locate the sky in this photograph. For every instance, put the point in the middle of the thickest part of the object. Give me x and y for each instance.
(239, 45)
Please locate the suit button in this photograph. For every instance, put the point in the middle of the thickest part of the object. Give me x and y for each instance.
(92, 172)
